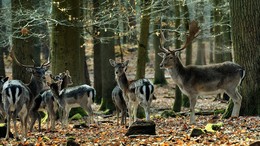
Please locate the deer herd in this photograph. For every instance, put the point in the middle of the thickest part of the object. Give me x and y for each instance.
(25, 100)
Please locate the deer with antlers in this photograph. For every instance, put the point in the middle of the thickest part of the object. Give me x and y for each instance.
(17, 97)
(45, 100)
(137, 92)
(196, 80)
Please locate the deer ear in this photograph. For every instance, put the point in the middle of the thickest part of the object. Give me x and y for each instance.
(5, 79)
(126, 63)
(67, 72)
(112, 62)
(161, 54)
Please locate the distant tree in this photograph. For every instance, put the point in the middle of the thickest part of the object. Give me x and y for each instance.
(143, 39)
(159, 77)
(2, 64)
(97, 53)
(201, 55)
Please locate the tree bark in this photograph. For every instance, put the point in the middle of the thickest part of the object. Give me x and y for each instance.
(245, 22)
(178, 94)
(107, 52)
(23, 44)
(65, 41)
(143, 42)
(97, 55)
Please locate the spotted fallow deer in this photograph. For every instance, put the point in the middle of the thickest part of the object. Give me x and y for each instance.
(119, 102)
(195, 80)
(17, 97)
(137, 92)
(71, 97)
(45, 101)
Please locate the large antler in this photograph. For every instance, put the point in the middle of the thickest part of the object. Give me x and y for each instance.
(47, 63)
(193, 33)
(15, 59)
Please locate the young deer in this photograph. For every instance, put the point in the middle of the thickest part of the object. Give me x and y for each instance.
(118, 100)
(18, 97)
(45, 100)
(196, 81)
(77, 96)
(138, 92)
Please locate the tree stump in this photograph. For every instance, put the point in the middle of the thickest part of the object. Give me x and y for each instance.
(141, 127)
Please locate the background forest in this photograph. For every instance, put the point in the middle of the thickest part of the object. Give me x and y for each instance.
(82, 35)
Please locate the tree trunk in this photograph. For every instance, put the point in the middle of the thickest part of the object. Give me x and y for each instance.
(23, 44)
(2, 64)
(107, 52)
(218, 52)
(97, 56)
(245, 30)
(178, 94)
(185, 98)
(159, 77)
(144, 37)
(201, 56)
(65, 41)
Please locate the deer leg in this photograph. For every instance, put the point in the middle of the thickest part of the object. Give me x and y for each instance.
(129, 112)
(237, 99)
(66, 117)
(193, 100)
(135, 107)
(14, 123)
(90, 113)
(123, 117)
(8, 125)
(117, 115)
(147, 112)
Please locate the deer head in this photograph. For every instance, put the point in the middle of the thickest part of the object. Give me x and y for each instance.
(170, 57)
(120, 68)
(37, 71)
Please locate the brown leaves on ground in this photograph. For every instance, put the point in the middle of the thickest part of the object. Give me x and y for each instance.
(170, 131)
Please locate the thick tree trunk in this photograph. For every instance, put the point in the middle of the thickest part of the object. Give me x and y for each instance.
(178, 94)
(159, 77)
(245, 22)
(97, 56)
(23, 45)
(143, 42)
(65, 42)
(107, 52)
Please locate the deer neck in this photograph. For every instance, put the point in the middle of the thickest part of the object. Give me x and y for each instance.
(122, 82)
(64, 83)
(177, 72)
(35, 86)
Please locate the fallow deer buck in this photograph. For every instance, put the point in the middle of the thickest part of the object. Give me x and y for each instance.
(138, 92)
(118, 100)
(77, 96)
(195, 80)
(45, 101)
(18, 96)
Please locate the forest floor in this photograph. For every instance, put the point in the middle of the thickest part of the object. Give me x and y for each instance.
(169, 131)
